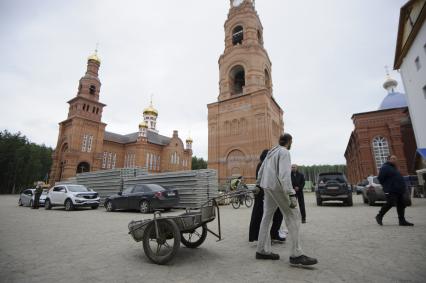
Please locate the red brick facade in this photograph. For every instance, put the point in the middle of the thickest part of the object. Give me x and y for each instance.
(84, 145)
(392, 126)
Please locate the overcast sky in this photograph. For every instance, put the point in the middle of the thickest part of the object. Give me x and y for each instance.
(328, 59)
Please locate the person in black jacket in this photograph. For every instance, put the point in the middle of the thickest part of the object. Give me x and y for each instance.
(257, 212)
(394, 189)
(298, 181)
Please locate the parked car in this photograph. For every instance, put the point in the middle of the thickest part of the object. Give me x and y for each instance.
(71, 196)
(26, 198)
(373, 192)
(144, 197)
(333, 186)
(361, 186)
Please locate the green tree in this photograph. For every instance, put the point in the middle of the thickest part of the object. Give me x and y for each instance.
(21, 162)
(198, 163)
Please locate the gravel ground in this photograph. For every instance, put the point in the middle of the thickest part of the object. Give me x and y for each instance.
(93, 246)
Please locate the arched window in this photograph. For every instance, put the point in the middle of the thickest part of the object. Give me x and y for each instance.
(92, 89)
(237, 35)
(267, 79)
(259, 37)
(380, 150)
(237, 79)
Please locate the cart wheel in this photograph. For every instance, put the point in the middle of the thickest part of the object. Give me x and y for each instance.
(235, 201)
(249, 201)
(194, 238)
(163, 248)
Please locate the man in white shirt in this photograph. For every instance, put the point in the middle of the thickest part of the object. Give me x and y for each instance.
(275, 179)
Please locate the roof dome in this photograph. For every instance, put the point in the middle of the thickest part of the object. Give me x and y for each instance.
(94, 57)
(393, 100)
(143, 125)
(189, 139)
(150, 110)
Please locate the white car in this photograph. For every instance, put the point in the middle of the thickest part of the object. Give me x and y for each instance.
(71, 196)
(26, 198)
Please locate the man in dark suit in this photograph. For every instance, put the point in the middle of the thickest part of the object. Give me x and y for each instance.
(394, 188)
(298, 181)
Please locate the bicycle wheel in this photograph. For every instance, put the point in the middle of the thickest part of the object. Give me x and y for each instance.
(248, 201)
(194, 238)
(162, 248)
(235, 201)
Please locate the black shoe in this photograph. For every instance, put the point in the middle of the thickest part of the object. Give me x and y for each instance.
(303, 260)
(303, 221)
(278, 239)
(267, 256)
(379, 219)
(405, 223)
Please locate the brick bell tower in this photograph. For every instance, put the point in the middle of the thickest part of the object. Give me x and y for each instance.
(80, 140)
(246, 118)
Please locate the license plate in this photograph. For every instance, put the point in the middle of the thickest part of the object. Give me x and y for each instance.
(171, 194)
(333, 188)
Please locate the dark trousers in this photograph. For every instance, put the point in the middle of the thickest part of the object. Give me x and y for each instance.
(301, 200)
(36, 200)
(394, 199)
(256, 218)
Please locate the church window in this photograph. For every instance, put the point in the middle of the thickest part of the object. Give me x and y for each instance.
(92, 89)
(84, 107)
(381, 151)
(417, 62)
(424, 91)
(114, 159)
(259, 37)
(94, 109)
(237, 79)
(89, 143)
(154, 166)
(104, 160)
(237, 35)
(147, 161)
(97, 110)
(84, 143)
(267, 79)
(109, 159)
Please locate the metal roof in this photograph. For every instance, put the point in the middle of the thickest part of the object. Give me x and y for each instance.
(130, 138)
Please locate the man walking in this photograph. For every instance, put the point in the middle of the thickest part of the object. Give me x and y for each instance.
(37, 193)
(298, 181)
(394, 188)
(275, 179)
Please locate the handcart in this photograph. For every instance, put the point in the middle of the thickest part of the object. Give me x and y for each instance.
(161, 236)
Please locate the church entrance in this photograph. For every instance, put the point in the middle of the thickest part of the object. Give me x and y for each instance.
(83, 167)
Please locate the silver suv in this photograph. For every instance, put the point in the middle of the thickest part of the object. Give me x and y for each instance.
(71, 196)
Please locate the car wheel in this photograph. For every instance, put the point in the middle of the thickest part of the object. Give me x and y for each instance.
(144, 206)
(319, 201)
(69, 205)
(350, 202)
(20, 202)
(370, 202)
(109, 206)
(47, 204)
(31, 203)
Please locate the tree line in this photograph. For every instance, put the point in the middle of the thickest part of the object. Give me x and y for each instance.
(22, 162)
(198, 163)
(311, 172)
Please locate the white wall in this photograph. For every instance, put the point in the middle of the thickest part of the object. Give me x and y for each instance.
(414, 80)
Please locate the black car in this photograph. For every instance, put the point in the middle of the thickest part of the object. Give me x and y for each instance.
(333, 186)
(144, 197)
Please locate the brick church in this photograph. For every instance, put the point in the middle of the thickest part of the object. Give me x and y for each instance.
(84, 145)
(380, 133)
(246, 118)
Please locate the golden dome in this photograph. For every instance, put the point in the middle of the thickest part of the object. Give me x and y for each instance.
(150, 110)
(94, 57)
(189, 139)
(143, 125)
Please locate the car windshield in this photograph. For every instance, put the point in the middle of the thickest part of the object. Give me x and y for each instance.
(154, 188)
(77, 188)
(332, 177)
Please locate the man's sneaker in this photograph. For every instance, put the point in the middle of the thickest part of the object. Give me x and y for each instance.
(303, 260)
(267, 256)
(405, 223)
(379, 219)
(278, 239)
(303, 221)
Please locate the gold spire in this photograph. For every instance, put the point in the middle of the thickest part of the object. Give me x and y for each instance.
(150, 109)
(143, 125)
(95, 56)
